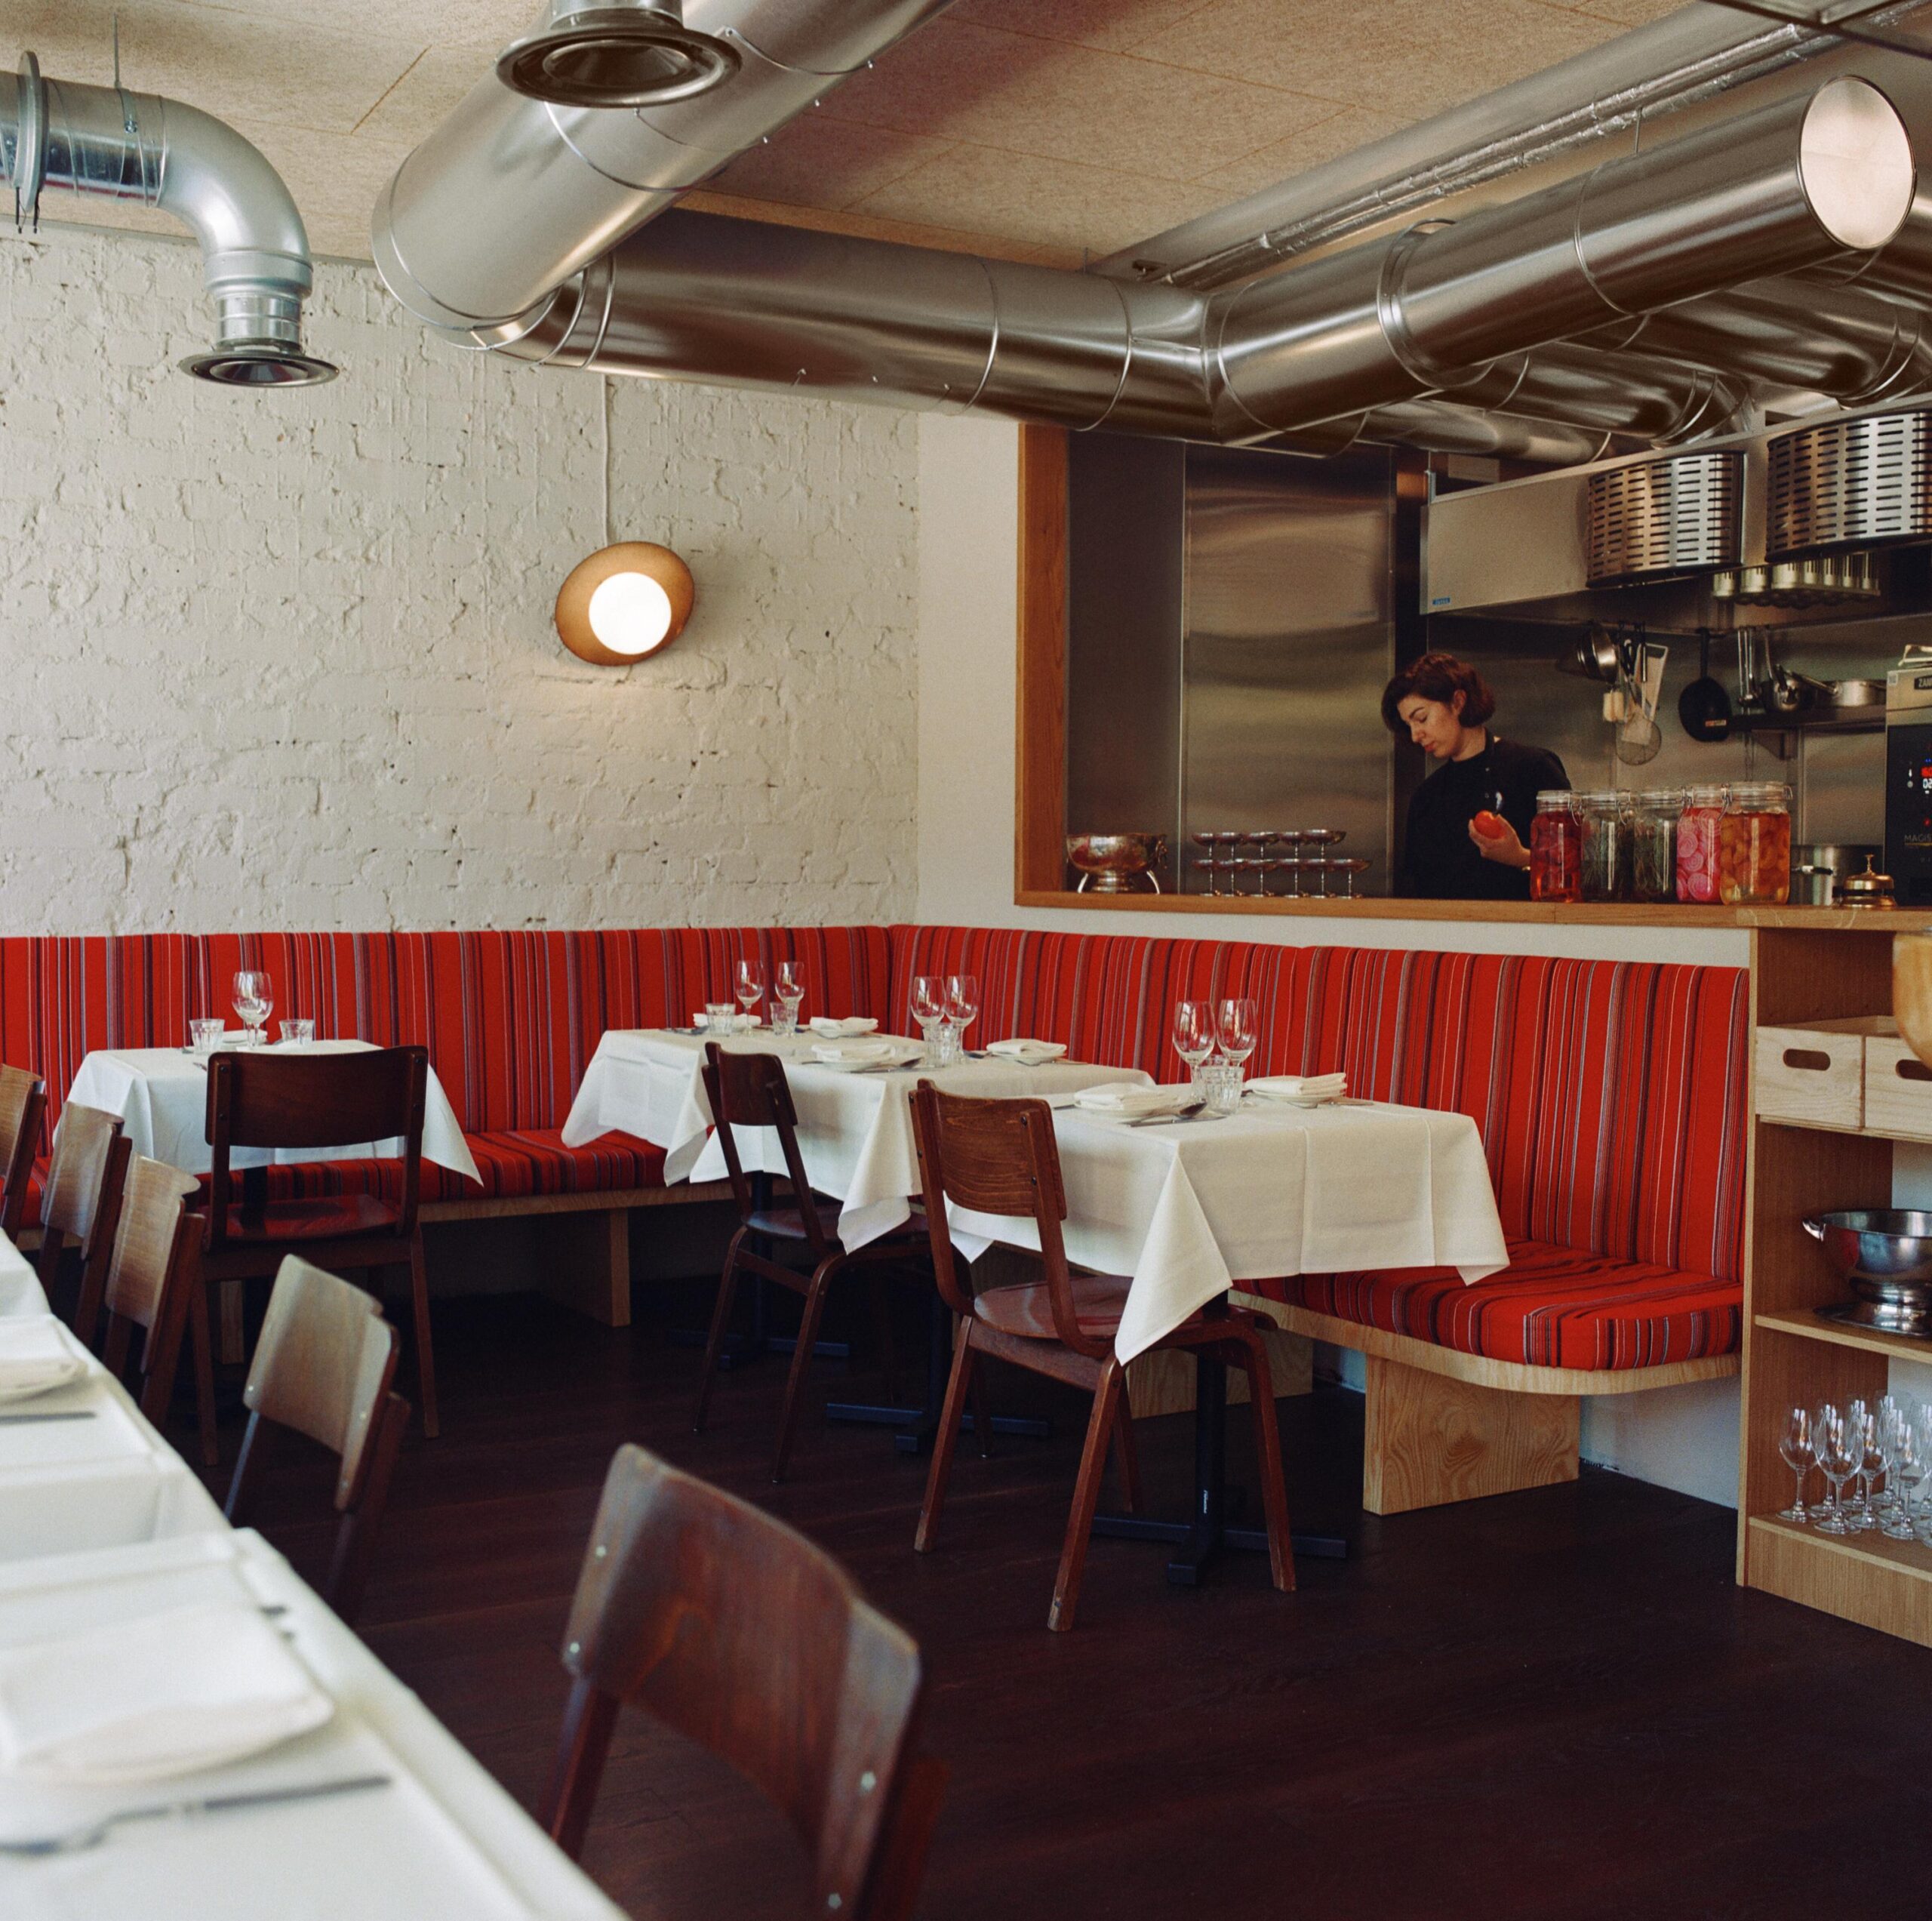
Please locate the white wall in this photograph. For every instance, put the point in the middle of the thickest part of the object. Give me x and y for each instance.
(286, 660)
(1684, 1438)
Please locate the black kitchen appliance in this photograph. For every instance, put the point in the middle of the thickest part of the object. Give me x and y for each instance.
(1908, 777)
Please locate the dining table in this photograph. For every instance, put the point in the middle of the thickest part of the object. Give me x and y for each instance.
(161, 1096)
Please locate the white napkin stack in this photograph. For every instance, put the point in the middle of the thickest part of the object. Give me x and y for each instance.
(1029, 1054)
(701, 1019)
(864, 1053)
(1118, 1097)
(837, 1031)
(142, 1699)
(36, 1357)
(1301, 1090)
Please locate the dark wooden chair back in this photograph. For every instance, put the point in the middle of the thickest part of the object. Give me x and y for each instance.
(153, 1277)
(82, 1205)
(23, 1107)
(750, 1090)
(997, 1157)
(324, 1366)
(264, 1100)
(725, 1624)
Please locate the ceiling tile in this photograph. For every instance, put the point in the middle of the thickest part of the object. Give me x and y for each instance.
(1049, 202)
(1115, 25)
(294, 74)
(335, 179)
(425, 96)
(952, 80)
(1410, 58)
(1624, 13)
(819, 161)
(428, 22)
(1328, 140)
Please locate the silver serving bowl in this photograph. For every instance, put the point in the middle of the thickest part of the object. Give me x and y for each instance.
(1885, 1254)
(1110, 863)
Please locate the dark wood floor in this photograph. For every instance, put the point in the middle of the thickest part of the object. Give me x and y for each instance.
(1551, 1704)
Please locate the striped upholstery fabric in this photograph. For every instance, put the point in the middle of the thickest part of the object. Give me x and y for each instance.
(1553, 1307)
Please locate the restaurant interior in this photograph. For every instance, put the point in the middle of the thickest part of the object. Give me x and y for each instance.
(875, 872)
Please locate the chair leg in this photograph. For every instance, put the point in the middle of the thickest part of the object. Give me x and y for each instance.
(425, 1355)
(721, 1319)
(802, 1358)
(1127, 1457)
(1086, 1497)
(962, 1380)
(204, 1345)
(1254, 1360)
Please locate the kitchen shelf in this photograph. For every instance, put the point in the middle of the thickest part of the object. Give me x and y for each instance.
(1856, 1133)
(1840, 1334)
(1882, 1583)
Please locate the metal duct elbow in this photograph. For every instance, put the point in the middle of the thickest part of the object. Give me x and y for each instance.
(107, 142)
(1795, 184)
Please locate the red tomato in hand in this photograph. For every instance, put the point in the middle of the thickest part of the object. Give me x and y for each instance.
(1491, 826)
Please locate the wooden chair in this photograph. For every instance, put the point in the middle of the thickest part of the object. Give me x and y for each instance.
(154, 1283)
(750, 1090)
(321, 1101)
(1000, 1157)
(323, 1366)
(82, 1205)
(725, 1624)
(23, 1106)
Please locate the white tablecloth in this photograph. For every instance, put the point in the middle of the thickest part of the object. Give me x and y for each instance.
(855, 1130)
(20, 1291)
(1189, 1211)
(442, 1840)
(162, 1095)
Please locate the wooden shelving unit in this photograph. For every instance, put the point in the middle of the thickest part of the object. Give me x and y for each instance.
(1791, 1357)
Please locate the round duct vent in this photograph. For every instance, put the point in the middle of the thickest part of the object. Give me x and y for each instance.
(623, 56)
(1659, 518)
(1850, 483)
(258, 364)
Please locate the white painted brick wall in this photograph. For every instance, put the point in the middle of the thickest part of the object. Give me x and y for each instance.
(286, 660)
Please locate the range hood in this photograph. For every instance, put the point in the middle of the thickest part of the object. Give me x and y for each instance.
(1823, 520)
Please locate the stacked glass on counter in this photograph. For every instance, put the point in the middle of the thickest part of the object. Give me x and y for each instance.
(1698, 845)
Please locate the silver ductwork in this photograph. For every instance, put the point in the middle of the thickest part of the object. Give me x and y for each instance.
(511, 196)
(107, 142)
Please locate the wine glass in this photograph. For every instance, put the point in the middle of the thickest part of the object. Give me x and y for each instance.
(1194, 1033)
(1908, 1470)
(1237, 1029)
(1886, 1415)
(749, 986)
(962, 1008)
(788, 990)
(929, 1010)
(254, 1000)
(1839, 1452)
(1800, 1457)
(1861, 1435)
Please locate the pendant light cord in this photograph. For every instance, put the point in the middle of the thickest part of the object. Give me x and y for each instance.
(604, 416)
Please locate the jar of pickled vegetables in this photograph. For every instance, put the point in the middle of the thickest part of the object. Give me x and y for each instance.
(1556, 848)
(1604, 870)
(1697, 843)
(1653, 817)
(1754, 844)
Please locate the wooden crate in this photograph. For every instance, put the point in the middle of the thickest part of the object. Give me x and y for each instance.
(1816, 1073)
(1898, 1089)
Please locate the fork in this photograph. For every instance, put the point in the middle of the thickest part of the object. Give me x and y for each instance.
(91, 1834)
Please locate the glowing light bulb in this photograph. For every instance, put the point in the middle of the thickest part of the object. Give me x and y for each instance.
(630, 613)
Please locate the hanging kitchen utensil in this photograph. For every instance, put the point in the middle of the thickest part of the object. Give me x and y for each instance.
(1597, 656)
(1704, 707)
(1638, 738)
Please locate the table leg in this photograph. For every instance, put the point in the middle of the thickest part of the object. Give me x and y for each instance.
(1200, 1539)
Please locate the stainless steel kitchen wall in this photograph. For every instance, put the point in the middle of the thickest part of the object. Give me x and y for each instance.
(1290, 598)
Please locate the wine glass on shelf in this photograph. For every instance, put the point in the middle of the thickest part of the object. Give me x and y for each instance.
(254, 1000)
(1194, 1033)
(1886, 1415)
(788, 990)
(962, 1004)
(749, 986)
(1907, 1470)
(1800, 1457)
(1839, 1451)
(1861, 1436)
(1237, 1027)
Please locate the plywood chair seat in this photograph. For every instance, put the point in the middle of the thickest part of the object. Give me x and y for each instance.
(332, 1217)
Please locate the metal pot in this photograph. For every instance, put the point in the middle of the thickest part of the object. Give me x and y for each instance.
(1819, 869)
(1885, 1253)
(1110, 863)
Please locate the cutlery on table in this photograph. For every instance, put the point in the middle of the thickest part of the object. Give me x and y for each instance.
(91, 1834)
(23, 1419)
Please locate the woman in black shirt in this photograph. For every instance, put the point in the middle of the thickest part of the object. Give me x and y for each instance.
(1444, 706)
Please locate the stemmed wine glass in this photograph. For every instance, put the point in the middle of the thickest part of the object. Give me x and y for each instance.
(788, 989)
(1194, 1033)
(750, 987)
(929, 1010)
(1839, 1451)
(1237, 1029)
(1801, 1456)
(962, 1003)
(1906, 1449)
(254, 1000)
(1862, 1435)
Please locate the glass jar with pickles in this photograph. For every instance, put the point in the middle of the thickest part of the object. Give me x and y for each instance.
(1697, 843)
(1754, 845)
(1556, 848)
(1604, 870)
(1654, 817)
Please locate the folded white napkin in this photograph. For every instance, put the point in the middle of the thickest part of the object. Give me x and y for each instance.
(701, 1019)
(1029, 1054)
(1120, 1097)
(864, 1053)
(142, 1699)
(35, 1358)
(834, 1030)
(1304, 1090)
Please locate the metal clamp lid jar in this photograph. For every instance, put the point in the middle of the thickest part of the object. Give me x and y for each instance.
(1754, 845)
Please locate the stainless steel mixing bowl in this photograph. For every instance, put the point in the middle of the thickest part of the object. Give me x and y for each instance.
(1885, 1256)
(1110, 863)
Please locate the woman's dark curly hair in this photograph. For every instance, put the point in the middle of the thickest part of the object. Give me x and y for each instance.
(1438, 677)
